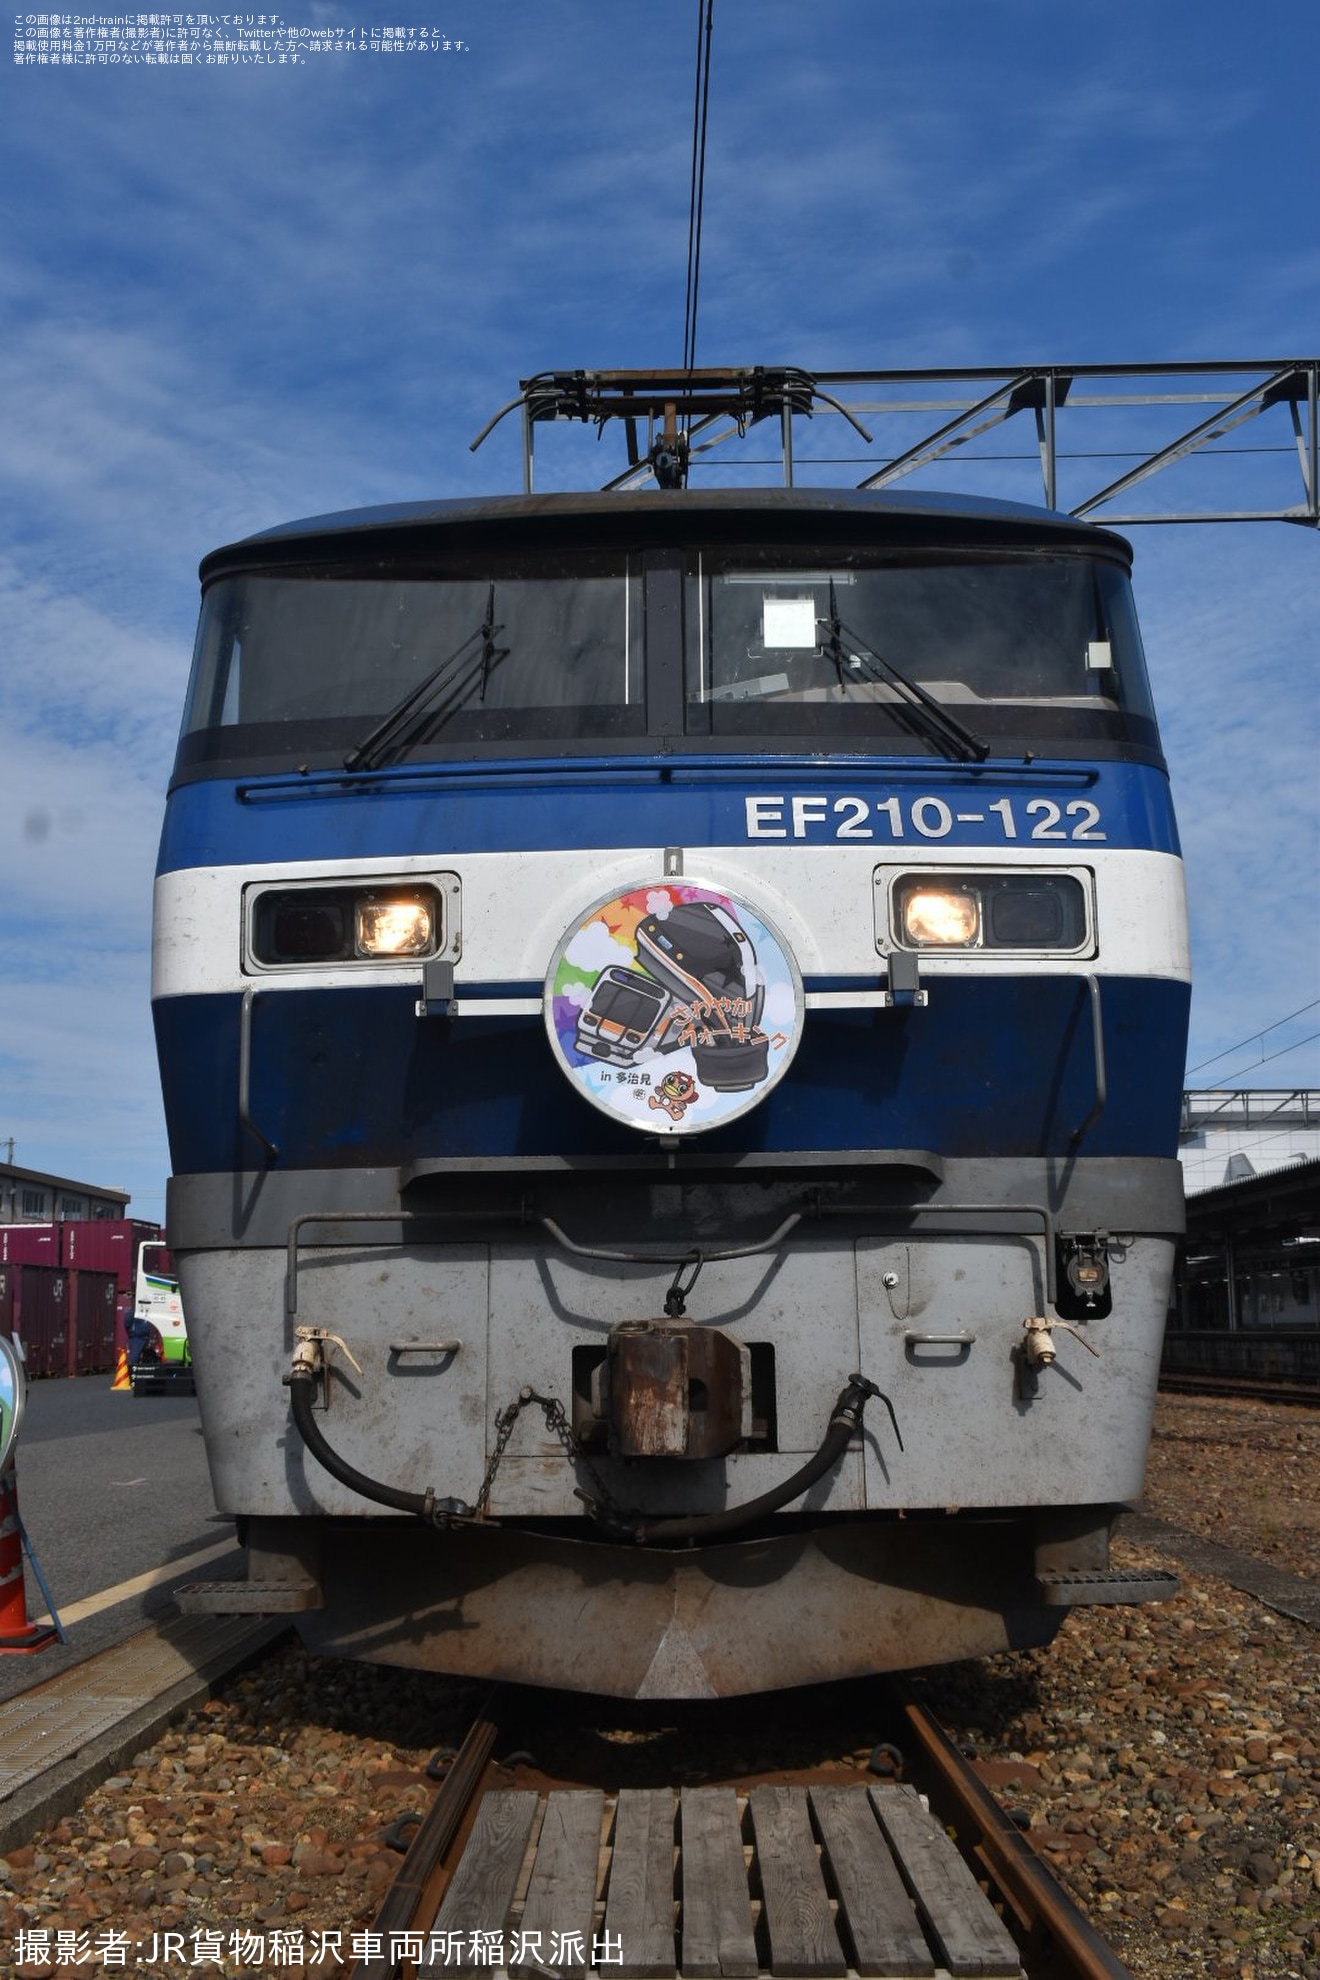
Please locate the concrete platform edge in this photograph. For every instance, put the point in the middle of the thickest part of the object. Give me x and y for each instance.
(1288, 1594)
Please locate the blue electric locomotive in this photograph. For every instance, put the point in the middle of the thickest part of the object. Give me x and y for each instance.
(671, 1008)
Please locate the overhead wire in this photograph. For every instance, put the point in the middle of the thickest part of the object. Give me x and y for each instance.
(1251, 1038)
(1283, 1053)
(696, 197)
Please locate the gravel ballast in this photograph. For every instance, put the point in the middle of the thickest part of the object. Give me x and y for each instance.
(1168, 1757)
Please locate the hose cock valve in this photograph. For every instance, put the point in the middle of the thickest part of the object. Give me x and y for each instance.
(1040, 1346)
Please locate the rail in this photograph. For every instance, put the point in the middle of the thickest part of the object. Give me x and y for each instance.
(1058, 1937)
(1180, 1382)
(413, 1896)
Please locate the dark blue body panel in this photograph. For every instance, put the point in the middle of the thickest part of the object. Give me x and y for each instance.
(450, 809)
(996, 1066)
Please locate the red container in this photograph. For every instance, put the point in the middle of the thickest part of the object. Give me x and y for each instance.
(105, 1244)
(30, 1244)
(41, 1319)
(8, 1297)
(92, 1333)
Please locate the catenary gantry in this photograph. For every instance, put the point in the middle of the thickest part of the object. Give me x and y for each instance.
(1096, 432)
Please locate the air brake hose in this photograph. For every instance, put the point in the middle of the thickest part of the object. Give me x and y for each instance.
(845, 1421)
(302, 1383)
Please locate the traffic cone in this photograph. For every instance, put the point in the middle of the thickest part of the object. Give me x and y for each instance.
(123, 1380)
(17, 1634)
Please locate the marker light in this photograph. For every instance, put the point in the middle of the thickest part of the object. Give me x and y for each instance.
(304, 928)
(937, 917)
(394, 927)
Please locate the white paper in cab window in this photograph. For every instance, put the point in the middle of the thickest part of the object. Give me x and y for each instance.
(788, 622)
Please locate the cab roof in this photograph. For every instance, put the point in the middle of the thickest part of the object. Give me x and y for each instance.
(409, 530)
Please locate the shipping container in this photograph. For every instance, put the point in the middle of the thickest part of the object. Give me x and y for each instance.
(92, 1334)
(105, 1244)
(41, 1319)
(67, 1321)
(30, 1244)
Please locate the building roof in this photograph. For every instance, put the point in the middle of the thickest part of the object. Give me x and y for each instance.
(1284, 1201)
(14, 1173)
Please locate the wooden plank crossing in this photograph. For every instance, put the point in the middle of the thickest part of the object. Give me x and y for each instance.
(719, 1937)
(881, 1931)
(797, 1915)
(561, 1897)
(969, 1935)
(639, 1905)
(796, 1883)
(481, 1890)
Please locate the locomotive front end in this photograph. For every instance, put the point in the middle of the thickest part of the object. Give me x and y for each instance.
(671, 1011)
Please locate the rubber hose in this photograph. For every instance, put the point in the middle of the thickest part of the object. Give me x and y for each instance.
(301, 1385)
(844, 1422)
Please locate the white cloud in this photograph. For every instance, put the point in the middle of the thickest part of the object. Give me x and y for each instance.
(1227, 621)
(593, 948)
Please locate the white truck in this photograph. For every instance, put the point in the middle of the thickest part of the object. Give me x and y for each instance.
(160, 1362)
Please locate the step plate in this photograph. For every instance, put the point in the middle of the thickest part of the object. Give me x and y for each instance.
(247, 1598)
(1064, 1591)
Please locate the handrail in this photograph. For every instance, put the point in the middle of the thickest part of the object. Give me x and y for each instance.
(1101, 1076)
(673, 1255)
(245, 1075)
(411, 1217)
(912, 1215)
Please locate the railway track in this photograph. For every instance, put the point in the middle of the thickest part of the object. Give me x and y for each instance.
(66, 1734)
(1240, 1387)
(919, 1874)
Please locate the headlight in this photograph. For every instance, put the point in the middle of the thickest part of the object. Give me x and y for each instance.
(940, 917)
(395, 927)
(344, 924)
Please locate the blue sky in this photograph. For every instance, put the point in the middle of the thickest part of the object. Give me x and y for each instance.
(231, 296)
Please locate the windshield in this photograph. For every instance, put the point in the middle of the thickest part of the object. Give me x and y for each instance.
(330, 657)
(959, 653)
(775, 646)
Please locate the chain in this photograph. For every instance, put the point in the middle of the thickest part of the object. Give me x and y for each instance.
(558, 1425)
(676, 1297)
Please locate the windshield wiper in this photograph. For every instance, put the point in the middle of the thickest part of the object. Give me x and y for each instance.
(929, 717)
(469, 663)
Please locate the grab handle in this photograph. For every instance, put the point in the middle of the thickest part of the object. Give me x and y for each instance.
(1098, 1047)
(245, 1076)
